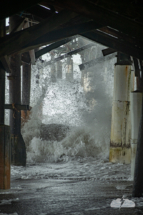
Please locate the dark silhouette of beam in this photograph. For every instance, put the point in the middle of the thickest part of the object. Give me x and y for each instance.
(114, 43)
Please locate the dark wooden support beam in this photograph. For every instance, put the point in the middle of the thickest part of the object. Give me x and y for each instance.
(18, 26)
(49, 37)
(104, 16)
(13, 43)
(108, 51)
(18, 155)
(2, 79)
(4, 62)
(17, 107)
(114, 43)
(25, 58)
(20, 6)
(93, 62)
(4, 130)
(39, 12)
(52, 46)
(70, 53)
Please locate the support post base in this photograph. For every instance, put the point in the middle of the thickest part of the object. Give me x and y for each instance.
(18, 150)
(120, 155)
(5, 157)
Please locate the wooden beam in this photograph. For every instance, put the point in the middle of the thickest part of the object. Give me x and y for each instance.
(19, 25)
(17, 107)
(52, 46)
(40, 12)
(12, 43)
(5, 64)
(25, 58)
(8, 8)
(114, 43)
(93, 62)
(108, 51)
(102, 16)
(61, 34)
(70, 53)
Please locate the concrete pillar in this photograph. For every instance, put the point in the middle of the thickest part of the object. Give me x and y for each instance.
(26, 82)
(18, 153)
(120, 150)
(4, 130)
(69, 69)
(59, 69)
(136, 104)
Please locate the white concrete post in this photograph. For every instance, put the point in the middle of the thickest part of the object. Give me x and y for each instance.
(69, 69)
(136, 106)
(120, 150)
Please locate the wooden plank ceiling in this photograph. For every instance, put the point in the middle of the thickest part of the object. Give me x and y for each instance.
(115, 24)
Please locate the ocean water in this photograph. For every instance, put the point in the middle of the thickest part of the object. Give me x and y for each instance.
(84, 152)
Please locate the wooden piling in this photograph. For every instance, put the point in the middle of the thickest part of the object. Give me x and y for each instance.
(18, 155)
(4, 130)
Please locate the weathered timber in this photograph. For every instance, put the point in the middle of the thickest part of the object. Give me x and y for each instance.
(108, 51)
(138, 175)
(120, 35)
(52, 46)
(113, 43)
(18, 153)
(17, 107)
(4, 130)
(70, 53)
(5, 64)
(18, 26)
(104, 16)
(2, 79)
(20, 6)
(5, 157)
(15, 42)
(50, 37)
(25, 58)
(93, 62)
(39, 12)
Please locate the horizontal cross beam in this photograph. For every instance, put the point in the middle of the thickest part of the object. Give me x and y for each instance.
(15, 42)
(114, 43)
(102, 16)
(52, 46)
(17, 107)
(93, 62)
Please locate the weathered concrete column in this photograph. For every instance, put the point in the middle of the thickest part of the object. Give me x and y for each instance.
(136, 105)
(138, 175)
(69, 69)
(120, 150)
(59, 69)
(5, 157)
(18, 154)
(26, 82)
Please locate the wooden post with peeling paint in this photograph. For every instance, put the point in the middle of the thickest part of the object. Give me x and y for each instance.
(18, 149)
(120, 149)
(5, 158)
